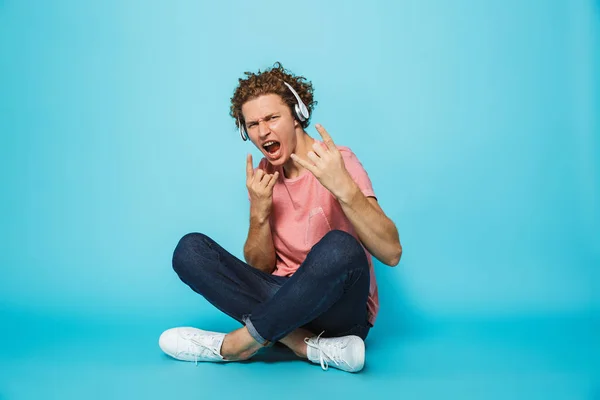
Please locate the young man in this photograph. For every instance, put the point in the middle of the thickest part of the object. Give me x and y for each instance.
(308, 280)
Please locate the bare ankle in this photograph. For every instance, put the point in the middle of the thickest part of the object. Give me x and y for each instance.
(295, 341)
(239, 345)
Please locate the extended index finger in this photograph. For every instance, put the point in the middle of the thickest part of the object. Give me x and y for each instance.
(326, 137)
(249, 167)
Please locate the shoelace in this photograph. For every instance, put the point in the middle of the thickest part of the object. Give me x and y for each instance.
(333, 354)
(199, 349)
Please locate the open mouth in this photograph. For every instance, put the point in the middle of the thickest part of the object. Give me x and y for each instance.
(272, 148)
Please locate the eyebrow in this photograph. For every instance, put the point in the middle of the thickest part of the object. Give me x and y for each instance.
(269, 116)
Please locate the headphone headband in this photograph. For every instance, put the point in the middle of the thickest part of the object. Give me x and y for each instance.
(301, 110)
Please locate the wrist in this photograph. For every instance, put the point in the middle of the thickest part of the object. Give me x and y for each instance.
(347, 195)
(259, 214)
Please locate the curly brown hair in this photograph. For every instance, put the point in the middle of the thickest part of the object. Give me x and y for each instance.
(271, 81)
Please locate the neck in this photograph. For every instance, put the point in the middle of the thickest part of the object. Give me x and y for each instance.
(303, 146)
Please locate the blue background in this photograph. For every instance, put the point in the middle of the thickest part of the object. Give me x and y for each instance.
(476, 121)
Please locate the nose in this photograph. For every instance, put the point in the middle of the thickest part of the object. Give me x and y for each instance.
(263, 129)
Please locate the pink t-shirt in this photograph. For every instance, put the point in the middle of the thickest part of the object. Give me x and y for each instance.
(304, 211)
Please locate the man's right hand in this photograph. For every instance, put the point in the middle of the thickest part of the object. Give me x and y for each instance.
(260, 188)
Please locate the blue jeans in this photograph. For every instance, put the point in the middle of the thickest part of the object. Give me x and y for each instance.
(327, 293)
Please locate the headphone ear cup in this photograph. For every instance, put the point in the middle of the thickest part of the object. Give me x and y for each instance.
(304, 110)
(243, 132)
(299, 113)
(300, 108)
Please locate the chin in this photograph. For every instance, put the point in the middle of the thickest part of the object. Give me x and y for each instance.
(281, 160)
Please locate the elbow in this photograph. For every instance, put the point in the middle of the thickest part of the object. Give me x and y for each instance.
(268, 268)
(260, 262)
(395, 258)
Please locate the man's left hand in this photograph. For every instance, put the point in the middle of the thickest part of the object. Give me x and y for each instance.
(327, 165)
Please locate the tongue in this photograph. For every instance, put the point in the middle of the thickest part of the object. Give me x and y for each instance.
(273, 148)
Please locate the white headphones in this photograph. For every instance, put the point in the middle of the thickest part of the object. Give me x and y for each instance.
(301, 112)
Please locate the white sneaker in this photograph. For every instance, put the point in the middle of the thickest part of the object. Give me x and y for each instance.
(346, 353)
(192, 344)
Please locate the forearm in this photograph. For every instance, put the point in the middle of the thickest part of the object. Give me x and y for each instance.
(259, 251)
(375, 230)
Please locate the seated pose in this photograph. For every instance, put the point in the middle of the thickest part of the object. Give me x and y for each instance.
(308, 279)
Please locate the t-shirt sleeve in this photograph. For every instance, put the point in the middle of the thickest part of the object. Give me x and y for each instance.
(358, 173)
